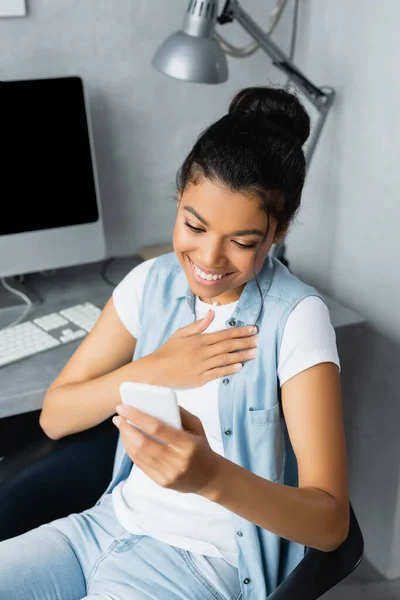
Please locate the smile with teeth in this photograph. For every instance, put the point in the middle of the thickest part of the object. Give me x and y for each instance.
(207, 276)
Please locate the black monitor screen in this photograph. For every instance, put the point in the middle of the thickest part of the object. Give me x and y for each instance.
(46, 167)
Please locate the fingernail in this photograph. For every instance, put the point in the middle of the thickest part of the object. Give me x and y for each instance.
(116, 421)
(122, 409)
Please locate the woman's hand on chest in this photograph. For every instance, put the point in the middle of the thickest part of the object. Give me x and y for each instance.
(191, 358)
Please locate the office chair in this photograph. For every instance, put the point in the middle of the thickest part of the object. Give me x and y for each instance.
(43, 479)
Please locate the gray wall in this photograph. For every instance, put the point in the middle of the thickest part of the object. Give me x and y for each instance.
(347, 235)
(346, 241)
(370, 382)
(346, 238)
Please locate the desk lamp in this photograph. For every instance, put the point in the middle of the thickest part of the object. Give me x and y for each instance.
(197, 54)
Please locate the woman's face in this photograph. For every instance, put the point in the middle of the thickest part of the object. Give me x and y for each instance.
(216, 233)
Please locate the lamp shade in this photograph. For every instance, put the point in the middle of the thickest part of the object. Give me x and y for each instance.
(192, 58)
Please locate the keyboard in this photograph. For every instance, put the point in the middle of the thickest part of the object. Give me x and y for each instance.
(47, 332)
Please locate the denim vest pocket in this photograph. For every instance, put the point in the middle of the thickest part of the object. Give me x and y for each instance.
(265, 415)
(266, 431)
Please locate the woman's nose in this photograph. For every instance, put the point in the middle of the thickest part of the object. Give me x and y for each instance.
(213, 259)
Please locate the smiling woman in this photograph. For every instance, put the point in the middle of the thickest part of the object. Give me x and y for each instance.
(225, 507)
(208, 244)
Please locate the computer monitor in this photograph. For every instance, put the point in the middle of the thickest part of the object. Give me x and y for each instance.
(50, 213)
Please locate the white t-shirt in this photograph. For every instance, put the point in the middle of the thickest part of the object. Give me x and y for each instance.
(190, 521)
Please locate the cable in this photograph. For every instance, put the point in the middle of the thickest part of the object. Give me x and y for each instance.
(279, 248)
(293, 39)
(253, 46)
(21, 295)
(294, 30)
(103, 271)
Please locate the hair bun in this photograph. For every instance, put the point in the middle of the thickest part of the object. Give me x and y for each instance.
(275, 106)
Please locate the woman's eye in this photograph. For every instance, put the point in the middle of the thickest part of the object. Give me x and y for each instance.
(197, 230)
(246, 246)
(193, 228)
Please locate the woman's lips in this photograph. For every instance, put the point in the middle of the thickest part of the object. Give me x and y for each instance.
(206, 282)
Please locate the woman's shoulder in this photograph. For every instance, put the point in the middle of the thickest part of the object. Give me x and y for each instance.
(136, 277)
(128, 295)
(158, 271)
(308, 338)
(289, 289)
(168, 262)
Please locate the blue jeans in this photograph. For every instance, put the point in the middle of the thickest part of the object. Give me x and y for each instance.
(90, 555)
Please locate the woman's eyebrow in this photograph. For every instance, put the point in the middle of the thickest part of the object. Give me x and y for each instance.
(235, 233)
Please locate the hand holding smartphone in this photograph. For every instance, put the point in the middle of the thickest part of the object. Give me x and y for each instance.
(157, 401)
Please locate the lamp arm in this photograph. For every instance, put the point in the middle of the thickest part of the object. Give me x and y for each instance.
(233, 11)
(321, 98)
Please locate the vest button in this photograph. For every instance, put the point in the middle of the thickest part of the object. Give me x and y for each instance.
(228, 432)
(246, 581)
(225, 381)
(239, 533)
(232, 322)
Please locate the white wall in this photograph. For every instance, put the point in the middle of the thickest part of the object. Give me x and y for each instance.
(347, 241)
(348, 236)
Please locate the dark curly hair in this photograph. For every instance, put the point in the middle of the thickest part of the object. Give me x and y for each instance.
(255, 149)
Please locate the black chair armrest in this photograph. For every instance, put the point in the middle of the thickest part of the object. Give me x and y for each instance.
(44, 479)
(320, 571)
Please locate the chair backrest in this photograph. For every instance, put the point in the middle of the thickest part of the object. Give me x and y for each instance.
(119, 453)
(320, 571)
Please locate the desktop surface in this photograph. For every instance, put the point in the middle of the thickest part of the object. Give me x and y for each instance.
(24, 383)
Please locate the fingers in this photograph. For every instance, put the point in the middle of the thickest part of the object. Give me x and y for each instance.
(204, 323)
(229, 334)
(230, 358)
(226, 358)
(190, 422)
(151, 426)
(233, 345)
(217, 373)
(198, 326)
(231, 351)
(153, 458)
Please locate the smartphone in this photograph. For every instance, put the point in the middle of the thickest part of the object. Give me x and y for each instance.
(154, 400)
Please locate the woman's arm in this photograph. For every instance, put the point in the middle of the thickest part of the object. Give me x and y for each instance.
(86, 391)
(316, 513)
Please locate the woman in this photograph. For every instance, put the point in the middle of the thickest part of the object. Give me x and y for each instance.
(224, 508)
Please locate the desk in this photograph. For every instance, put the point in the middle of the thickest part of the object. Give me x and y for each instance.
(23, 384)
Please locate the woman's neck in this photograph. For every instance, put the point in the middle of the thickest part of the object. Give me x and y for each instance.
(215, 302)
(226, 298)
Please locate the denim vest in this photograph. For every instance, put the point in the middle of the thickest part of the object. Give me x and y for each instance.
(253, 427)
